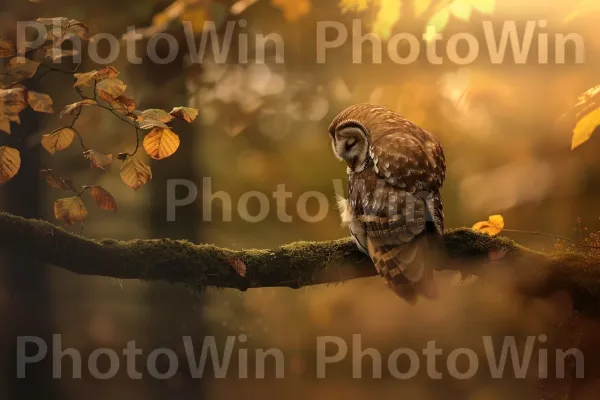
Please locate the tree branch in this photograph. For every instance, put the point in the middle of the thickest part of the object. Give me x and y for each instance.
(294, 265)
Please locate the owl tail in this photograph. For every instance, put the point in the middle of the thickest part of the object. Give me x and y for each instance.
(404, 267)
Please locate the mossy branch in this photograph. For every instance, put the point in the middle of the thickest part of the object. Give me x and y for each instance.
(293, 265)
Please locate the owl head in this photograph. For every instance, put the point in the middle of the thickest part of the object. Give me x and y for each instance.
(350, 142)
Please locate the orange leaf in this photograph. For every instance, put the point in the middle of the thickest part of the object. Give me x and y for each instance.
(97, 159)
(58, 140)
(10, 162)
(21, 68)
(110, 88)
(492, 226)
(70, 210)
(40, 102)
(123, 105)
(185, 113)
(103, 198)
(161, 143)
(12, 102)
(57, 181)
(135, 173)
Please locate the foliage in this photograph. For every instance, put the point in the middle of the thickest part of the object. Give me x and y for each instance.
(492, 226)
(97, 88)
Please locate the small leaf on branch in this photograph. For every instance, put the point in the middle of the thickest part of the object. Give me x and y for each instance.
(107, 72)
(12, 102)
(40, 102)
(58, 140)
(103, 198)
(110, 88)
(10, 162)
(97, 159)
(185, 113)
(70, 210)
(74, 108)
(585, 128)
(161, 143)
(135, 173)
(84, 79)
(238, 265)
(492, 226)
(154, 114)
(57, 181)
(123, 105)
(21, 68)
(7, 49)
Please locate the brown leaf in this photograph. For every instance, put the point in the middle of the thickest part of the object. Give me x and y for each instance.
(123, 105)
(97, 159)
(84, 79)
(74, 108)
(103, 198)
(40, 102)
(10, 162)
(57, 181)
(107, 72)
(185, 113)
(154, 114)
(58, 140)
(110, 88)
(21, 68)
(492, 226)
(161, 143)
(135, 173)
(238, 265)
(12, 102)
(7, 49)
(5, 125)
(70, 210)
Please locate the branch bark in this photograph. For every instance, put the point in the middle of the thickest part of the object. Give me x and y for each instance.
(294, 265)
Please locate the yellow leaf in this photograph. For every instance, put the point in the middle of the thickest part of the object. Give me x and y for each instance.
(110, 88)
(135, 173)
(461, 9)
(58, 140)
(585, 127)
(83, 79)
(185, 113)
(420, 6)
(12, 102)
(161, 143)
(7, 49)
(10, 162)
(70, 210)
(484, 6)
(40, 102)
(387, 16)
(492, 226)
(75, 107)
(103, 198)
(439, 20)
(21, 68)
(97, 159)
(293, 10)
(354, 5)
(154, 114)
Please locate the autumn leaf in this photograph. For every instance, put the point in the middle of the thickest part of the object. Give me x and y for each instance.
(161, 143)
(84, 79)
(12, 102)
(293, 10)
(123, 105)
(70, 210)
(492, 226)
(103, 198)
(10, 162)
(74, 108)
(97, 159)
(110, 88)
(238, 265)
(106, 73)
(58, 140)
(57, 181)
(185, 113)
(135, 173)
(40, 102)
(154, 114)
(21, 68)
(585, 128)
(7, 49)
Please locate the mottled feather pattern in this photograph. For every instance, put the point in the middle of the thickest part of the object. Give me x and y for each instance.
(392, 199)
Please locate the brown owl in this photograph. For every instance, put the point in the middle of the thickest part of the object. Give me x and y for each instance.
(394, 209)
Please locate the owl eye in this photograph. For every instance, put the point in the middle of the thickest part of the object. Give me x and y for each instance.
(350, 143)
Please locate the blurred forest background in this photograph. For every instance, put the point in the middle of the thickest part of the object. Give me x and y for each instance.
(263, 125)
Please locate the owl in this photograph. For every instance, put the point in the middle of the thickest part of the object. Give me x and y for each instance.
(394, 208)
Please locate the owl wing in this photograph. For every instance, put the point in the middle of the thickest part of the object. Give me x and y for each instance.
(404, 217)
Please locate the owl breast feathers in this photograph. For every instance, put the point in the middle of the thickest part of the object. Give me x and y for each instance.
(394, 208)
